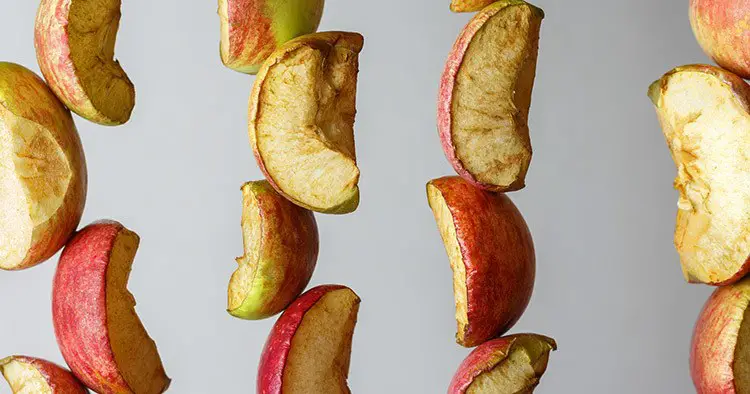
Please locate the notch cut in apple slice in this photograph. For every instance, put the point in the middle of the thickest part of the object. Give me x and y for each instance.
(301, 125)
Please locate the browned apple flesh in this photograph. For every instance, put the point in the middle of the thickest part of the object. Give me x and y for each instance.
(741, 363)
(518, 373)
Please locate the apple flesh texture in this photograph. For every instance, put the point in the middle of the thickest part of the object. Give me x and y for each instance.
(75, 48)
(703, 111)
(309, 347)
(281, 250)
(469, 5)
(42, 170)
(302, 112)
(508, 365)
(252, 29)
(27, 375)
(99, 334)
(491, 253)
(485, 96)
(721, 28)
(720, 350)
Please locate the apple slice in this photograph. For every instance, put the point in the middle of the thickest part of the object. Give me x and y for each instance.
(491, 253)
(720, 350)
(281, 249)
(508, 365)
(302, 121)
(485, 95)
(252, 29)
(28, 375)
(309, 347)
(42, 170)
(75, 48)
(99, 334)
(703, 112)
(470, 5)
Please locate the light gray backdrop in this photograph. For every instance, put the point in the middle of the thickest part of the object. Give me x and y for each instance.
(599, 199)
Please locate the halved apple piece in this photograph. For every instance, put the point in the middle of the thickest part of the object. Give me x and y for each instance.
(75, 48)
(704, 113)
(28, 375)
(309, 347)
(469, 5)
(42, 170)
(485, 95)
(508, 365)
(491, 253)
(301, 124)
(99, 334)
(281, 250)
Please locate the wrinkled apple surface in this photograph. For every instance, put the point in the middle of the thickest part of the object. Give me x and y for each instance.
(27, 375)
(281, 250)
(301, 124)
(485, 96)
(703, 111)
(42, 170)
(75, 47)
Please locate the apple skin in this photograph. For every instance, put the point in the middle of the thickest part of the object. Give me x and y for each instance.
(253, 29)
(498, 254)
(712, 351)
(59, 379)
(28, 96)
(721, 28)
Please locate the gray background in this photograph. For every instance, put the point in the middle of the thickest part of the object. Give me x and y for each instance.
(599, 199)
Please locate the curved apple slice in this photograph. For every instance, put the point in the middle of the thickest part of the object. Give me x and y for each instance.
(485, 95)
(508, 365)
(99, 334)
(75, 48)
(469, 5)
(28, 375)
(491, 253)
(281, 250)
(309, 347)
(302, 121)
(42, 170)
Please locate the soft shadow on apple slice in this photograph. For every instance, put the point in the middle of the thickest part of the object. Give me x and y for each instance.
(491, 252)
(704, 115)
(98, 331)
(508, 365)
(75, 45)
(281, 250)
(301, 124)
(28, 375)
(309, 347)
(485, 95)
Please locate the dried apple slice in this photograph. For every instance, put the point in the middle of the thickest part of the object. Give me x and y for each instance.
(301, 124)
(485, 95)
(28, 375)
(469, 5)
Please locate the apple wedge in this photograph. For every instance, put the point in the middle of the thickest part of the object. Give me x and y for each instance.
(99, 334)
(508, 365)
(703, 111)
(491, 253)
(75, 48)
(469, 5)
(281, 250)
(309, 347)
(301, 123)
(485, 95)
(42, 170)
(252, 29)
(720, 350)
(28, 375)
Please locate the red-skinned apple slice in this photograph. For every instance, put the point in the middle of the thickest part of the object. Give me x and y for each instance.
(309, 347)
(508, 365)
(28, 375)
(301, 123)
(491, 253)
(42, 170)
(721, 28)
(281, 249)
(485, 95)
(99, 334)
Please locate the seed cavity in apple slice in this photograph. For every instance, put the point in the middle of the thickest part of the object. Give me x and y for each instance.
(301, 126)
(485, 96)
(704, 114)
(27, 375)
